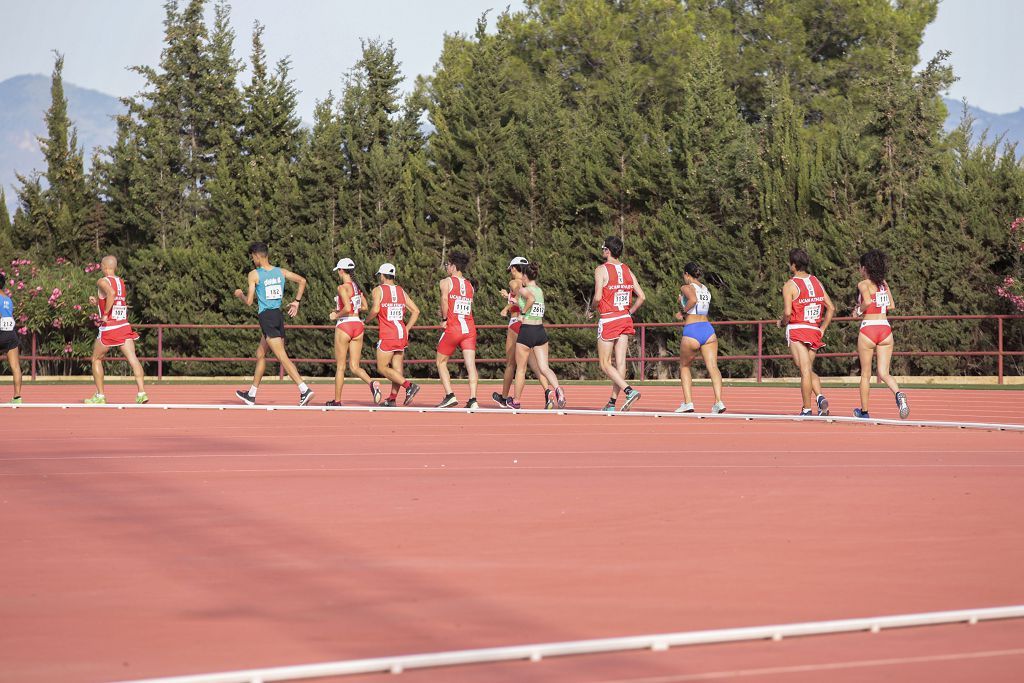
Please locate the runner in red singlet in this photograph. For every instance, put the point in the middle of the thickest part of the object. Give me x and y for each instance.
(614, 290)
(804, 300)
(874, 300)
(115, 330)
(459, 328)
(348, 332)
(511, 296)
(390, 302)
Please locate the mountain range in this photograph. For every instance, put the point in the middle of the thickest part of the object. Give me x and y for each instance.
(24, 100)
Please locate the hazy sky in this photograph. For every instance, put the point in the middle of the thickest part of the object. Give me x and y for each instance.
(100, 38)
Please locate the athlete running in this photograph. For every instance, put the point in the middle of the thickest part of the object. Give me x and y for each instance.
(266, 287)
(874, 300)
(614, 287)
(348, 332)
(390, 303)
(115, 330)
(9, 339)
(698, 335)
(511, 295)
(532, 338)
(459, 331)
(803, 299)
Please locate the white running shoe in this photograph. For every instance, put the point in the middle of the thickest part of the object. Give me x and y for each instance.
(718, 408)
(685, 408)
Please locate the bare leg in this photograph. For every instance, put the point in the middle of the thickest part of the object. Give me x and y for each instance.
(804, 359)
(355, 352)
(385, 361)
(99, 352)
(540, 356)
(710, 353)
(884, 353)
(261, 362)
(276, 346)
(474, 376)
(621, 348)
(510, 363)
(397, 361)
(15, 361)
(522, 353)
(866, 350)
(604, 355)
(531, 360)
(816, 383)
(443, 374)
(688, 347)
(128, 349)
(341, 342)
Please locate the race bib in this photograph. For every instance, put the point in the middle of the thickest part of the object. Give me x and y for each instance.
(882, 299)
(119, 313)
(6, 324)
(357, 303)
(704, 298)
(273, 292)
(395, 314)
(462, 306)
(621, 300)
(812, 313)
(537, 310)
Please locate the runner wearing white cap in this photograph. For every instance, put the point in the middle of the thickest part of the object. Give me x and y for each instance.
(390, 303)
(348, 332)
(511, 296)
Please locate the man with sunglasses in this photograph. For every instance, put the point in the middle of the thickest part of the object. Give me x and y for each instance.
(614, 290)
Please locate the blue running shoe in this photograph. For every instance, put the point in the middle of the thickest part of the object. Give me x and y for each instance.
(806, 412)
(857, 412)
(822, 405)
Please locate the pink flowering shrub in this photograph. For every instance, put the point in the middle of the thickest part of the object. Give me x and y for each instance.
(1012, 288)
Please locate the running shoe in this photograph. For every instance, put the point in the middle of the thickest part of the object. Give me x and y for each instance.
(631, 398)
(718, 408)
(549, 401)
(560, 397)
(334, 404)
(901, 401)
(375, 392)
(472, 404)
(388, 403)
(96, 400)
(305, 397)
(822, 405)
(511, 403)
(498, 398)
(410, 393)
(449, 401)
(16, 401)
(245, 398)
(857, 412)
(141, 398)
(685, 408)
(608, 408)
(806, 412)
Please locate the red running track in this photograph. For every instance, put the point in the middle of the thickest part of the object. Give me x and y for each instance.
(204, 541)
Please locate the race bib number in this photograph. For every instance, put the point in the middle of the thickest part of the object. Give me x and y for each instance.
(621, 300)
(395, 314)
(273, 292)
(882, 299)
(6, 324)
(462, 306)
(119, 313)
(704, 298)
(357, 303)
(537, 311)
(812, 313)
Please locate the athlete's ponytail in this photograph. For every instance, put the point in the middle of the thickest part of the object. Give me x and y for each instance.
(695, 271)
(530, 271)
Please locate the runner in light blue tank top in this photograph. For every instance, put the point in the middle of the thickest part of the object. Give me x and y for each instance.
(698, 335)
(9, 339)
(270, 290)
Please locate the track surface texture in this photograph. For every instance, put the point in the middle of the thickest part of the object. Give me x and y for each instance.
(146, 543)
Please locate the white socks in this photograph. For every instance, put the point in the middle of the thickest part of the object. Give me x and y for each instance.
(303, 388)
(252, 391)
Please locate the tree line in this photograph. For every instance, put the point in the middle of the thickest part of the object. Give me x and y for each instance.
(716, 131)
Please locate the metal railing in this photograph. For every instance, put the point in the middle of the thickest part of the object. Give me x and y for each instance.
(642, 359)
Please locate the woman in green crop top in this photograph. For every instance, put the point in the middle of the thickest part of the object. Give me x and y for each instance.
(532, 337)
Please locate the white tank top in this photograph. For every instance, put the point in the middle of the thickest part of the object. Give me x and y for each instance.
(703, 300)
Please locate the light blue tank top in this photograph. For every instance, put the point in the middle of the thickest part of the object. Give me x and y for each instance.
(6, 314)
(270, 288)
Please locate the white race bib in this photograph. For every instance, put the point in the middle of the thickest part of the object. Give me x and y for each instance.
(273, 292)
(812, 313)
(537, 310)
(6, 324)
(357, 303)
(119, 313)
(704, 298)
(621, 300)
(395, 313)
(462, 306)
(882, 299)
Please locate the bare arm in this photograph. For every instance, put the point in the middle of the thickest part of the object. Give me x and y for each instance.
(345, 301)
(446, 287)
(414, 312)
(600, 280)
(106, 292)
(378, 296)
(640, 297)
(787, 305)
(528, 299)
(688, 299)
(247, 299)
(862, 296)
(293, 307)
(830, 311)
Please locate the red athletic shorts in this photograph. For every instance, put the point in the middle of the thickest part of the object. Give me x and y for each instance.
(353, 328)
(805, 334)
(117, 336)
(876, 330)
(455, 339)
(514, 326)
(392, 345)
(612, 328)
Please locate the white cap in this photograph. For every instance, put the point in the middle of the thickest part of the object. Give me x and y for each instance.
(517, 261)
(386, 269)
(345, 264)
